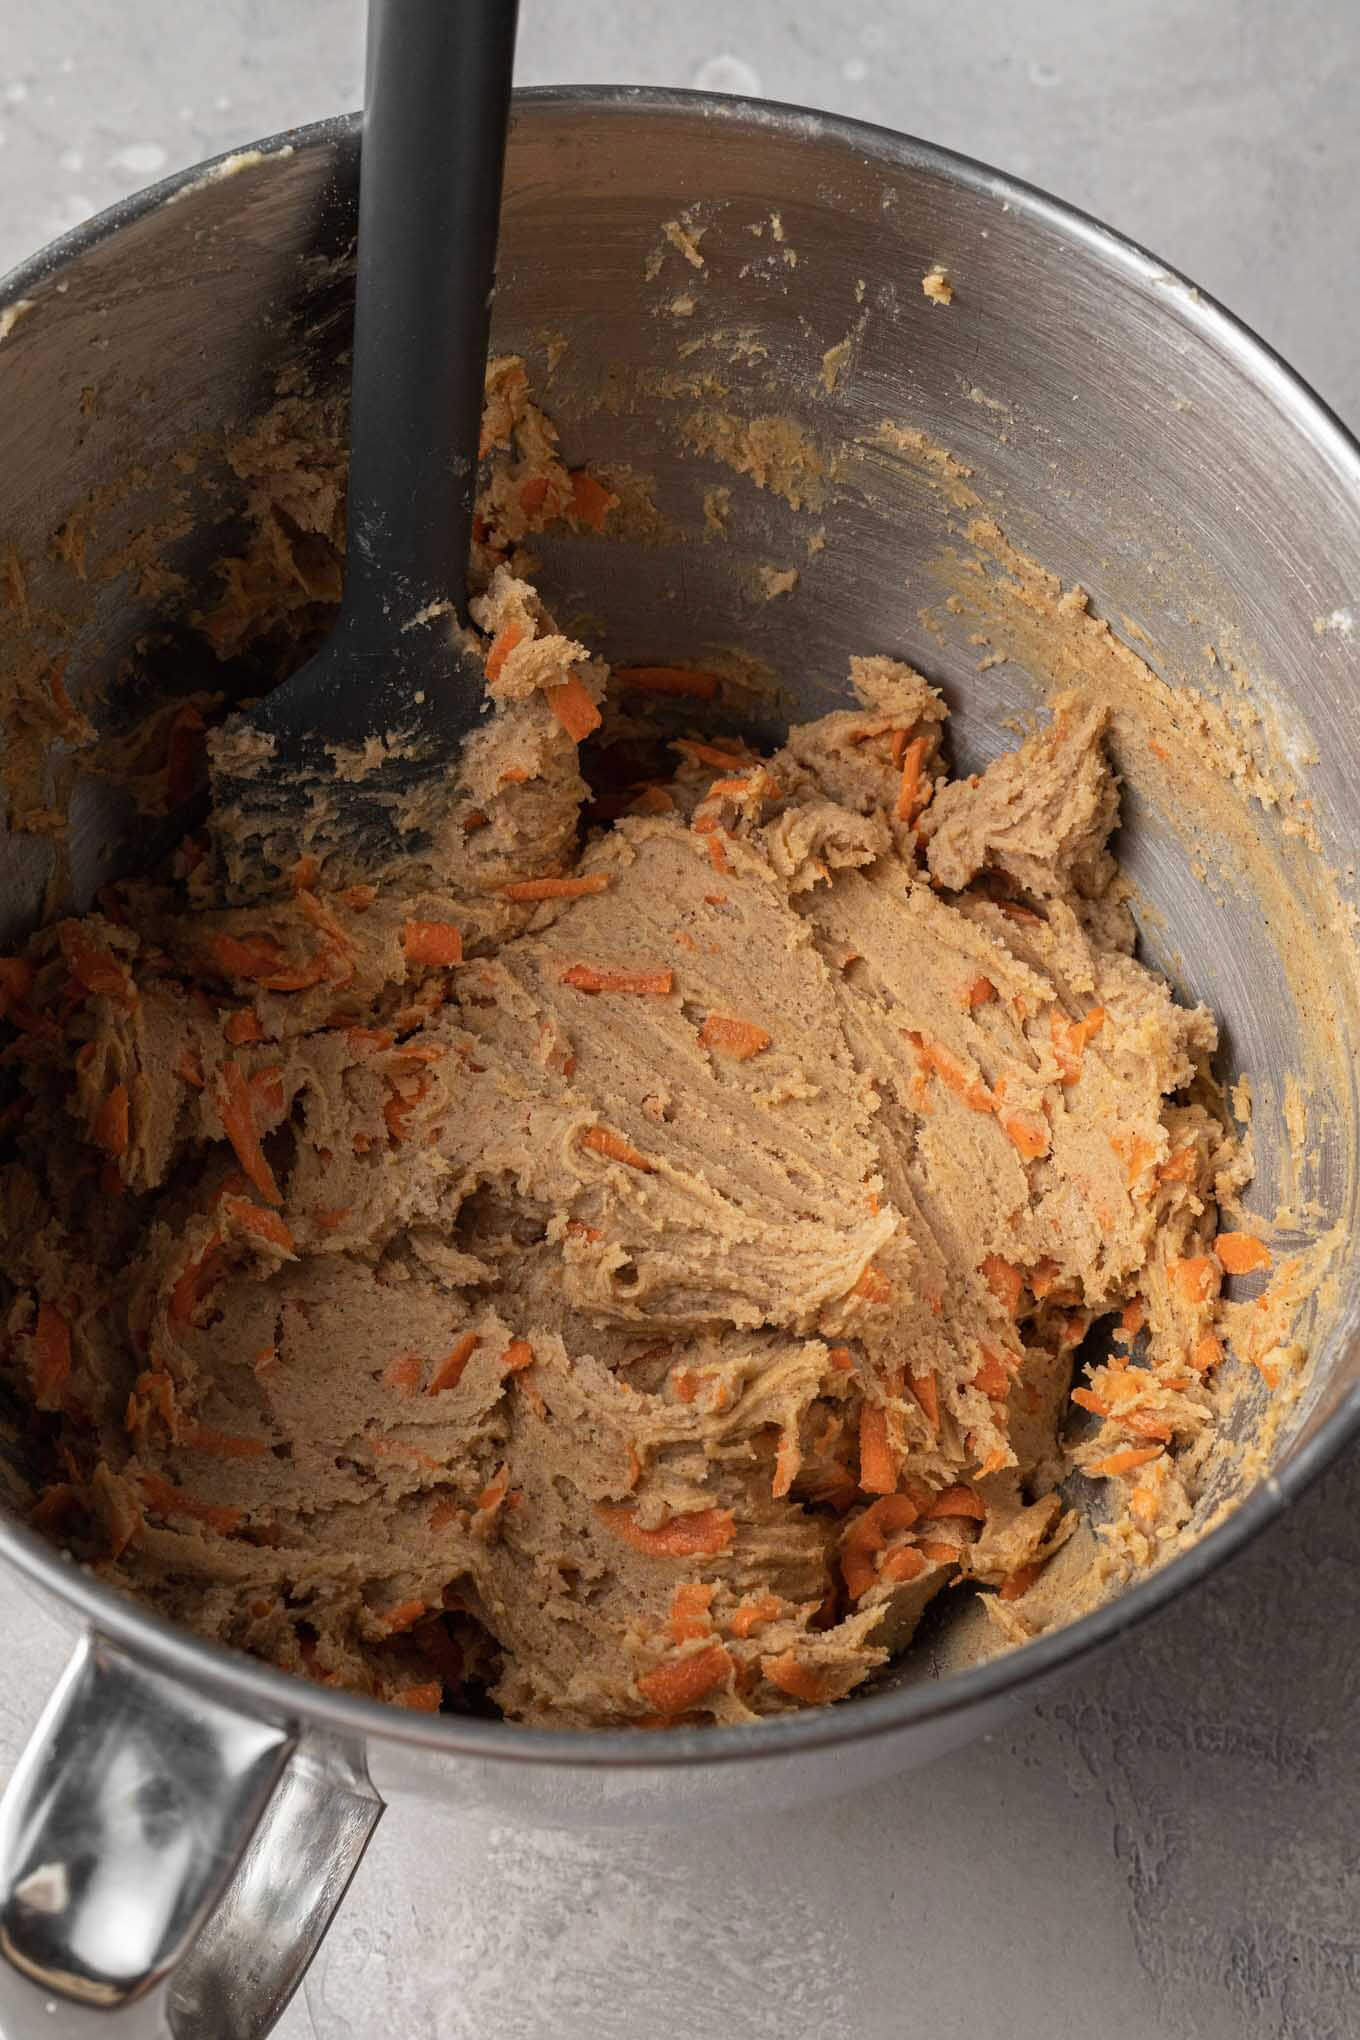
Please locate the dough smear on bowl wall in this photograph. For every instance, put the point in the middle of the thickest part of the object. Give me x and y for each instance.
(624, 1264)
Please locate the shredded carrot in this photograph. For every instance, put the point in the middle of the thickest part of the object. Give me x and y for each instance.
(242, 1026)
(262, 1225)
(194, 1280)
(224, 1444)
(793, 1677)
(111, 1122)
(700, 1534)
(717, 855)
(591, 502)
(1208, 1353)
(1021, 1580)
(264, 961)
(401, 1103)
(867, 1536)
(1197, 1278)
(1070, 1038)
(738, 1039)
(533, 494)
(906, 1563)
(689, 1616)
(754, 1613)
(673, 1687)
(1126, 1461)
(527, 889)
(330, 1217)
(652, 800)
(583, 977)
(979, 992)
(189, 1067)
(50, 1357)
(1005, 1281)
(1182, 1167)
(449, 1372)
(1026, 1132)
(425, 1699)
(573, 707)
(877, 1462)
(713, 754)
(16, 981)
(1087, 1399)
(616, 1149)
(926, 1391)
(236, 1108)
(678, 680)
(1133, 1317)
(958, 1500)
(842, 1359)
(518, 1355)
(501, 647)
(909, 788)
(435, 944)
(304, 875)
(406, 1373)
(1242, 1253)
(95, 969)
(403, 1616)
(966, 1083)
(168, 1500)
(873, 1285)
(993, 1376)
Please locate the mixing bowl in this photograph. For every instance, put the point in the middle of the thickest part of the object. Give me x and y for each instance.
(185, 1820)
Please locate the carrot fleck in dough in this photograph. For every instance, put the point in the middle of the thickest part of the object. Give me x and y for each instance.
(422, 1284)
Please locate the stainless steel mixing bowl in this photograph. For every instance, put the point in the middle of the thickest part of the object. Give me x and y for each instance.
(185, 1820)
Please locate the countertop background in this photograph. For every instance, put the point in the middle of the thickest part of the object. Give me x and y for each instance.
(1171, 1850)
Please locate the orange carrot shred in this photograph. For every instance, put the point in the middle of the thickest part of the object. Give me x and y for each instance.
(873, 1285)
(926, 1391)
(979, 992)
(1197, 1278)
(518, 1355)
(993, 1376)
(737, 1039)
(501, 647)
(674, 680)
(689, 1616)
(1021, 1580)
(583, 977)
(616, 1149)
(1026, 1132)
(1208, 1352)
(111, 1122)
(909, 788)
(754, 1613)
(591, 501)
(449, 1372)
(700, 1534)
(425, 1699)
(242, 1026)
(168, 1500)
(573, 707)
(1126, 1461)
(877, 1462)
(50, 1358)
(906, 1563)
(435, 944)
(957, 1500)
(1004, 1280)
(95, 969)
(792, 1676)
(673, 1687)
(237, 1112)
(1241, 1253)
(527, 889)
(842, 1359)
(262, 1225)
(403, 1616)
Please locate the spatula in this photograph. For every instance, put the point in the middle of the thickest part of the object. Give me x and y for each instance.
(395, 681)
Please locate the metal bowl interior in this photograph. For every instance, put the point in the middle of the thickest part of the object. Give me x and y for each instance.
(1132, 436)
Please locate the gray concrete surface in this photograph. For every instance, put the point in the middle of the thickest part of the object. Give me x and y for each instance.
(1171, 1851)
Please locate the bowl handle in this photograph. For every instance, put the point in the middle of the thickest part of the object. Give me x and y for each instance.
(168, 1865)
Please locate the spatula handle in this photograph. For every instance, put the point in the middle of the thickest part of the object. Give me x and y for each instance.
(436, 109)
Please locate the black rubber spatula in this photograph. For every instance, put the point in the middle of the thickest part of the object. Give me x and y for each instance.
(393, 680)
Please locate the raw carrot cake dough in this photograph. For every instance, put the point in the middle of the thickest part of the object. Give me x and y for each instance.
(620, 1274)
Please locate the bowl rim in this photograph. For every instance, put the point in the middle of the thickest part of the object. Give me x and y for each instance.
(264, 1691)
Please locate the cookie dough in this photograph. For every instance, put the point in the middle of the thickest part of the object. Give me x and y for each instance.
(622, 1276)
